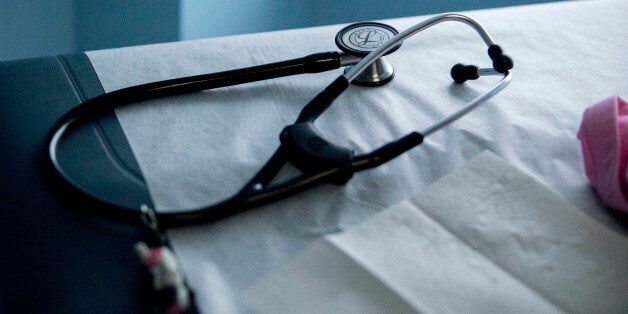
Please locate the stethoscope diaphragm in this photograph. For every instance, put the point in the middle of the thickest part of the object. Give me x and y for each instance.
(359, 40)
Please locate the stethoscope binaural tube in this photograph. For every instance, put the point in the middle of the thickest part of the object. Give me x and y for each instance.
(320, 163)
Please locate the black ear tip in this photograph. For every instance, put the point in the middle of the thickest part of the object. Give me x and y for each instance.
(502, 63)
(460, 73)
(456, 73)
(494, 51)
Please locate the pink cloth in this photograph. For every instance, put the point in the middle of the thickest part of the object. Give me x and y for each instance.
(604, 136)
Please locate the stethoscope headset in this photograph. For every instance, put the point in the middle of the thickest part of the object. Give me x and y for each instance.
(364, 46)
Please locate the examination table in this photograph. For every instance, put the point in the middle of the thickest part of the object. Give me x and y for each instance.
(190, 150)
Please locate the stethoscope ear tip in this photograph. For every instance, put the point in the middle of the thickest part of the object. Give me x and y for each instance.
(501, 62)
(460, 73)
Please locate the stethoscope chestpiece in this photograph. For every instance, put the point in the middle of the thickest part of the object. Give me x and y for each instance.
(359, 40)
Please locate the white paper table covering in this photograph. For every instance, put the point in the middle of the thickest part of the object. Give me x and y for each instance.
(426, 265)
(531, 232)
(485, 237)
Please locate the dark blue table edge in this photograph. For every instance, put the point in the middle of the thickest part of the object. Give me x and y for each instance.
(56, 256)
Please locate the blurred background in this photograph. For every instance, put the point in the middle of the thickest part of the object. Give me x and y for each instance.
(32, 28)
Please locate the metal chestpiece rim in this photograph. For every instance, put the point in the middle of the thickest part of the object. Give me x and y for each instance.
(359, 39)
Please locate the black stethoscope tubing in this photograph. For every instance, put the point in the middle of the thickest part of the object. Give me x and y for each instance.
(319, 160)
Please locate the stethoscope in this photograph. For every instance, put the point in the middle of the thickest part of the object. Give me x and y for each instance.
(364, 46)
